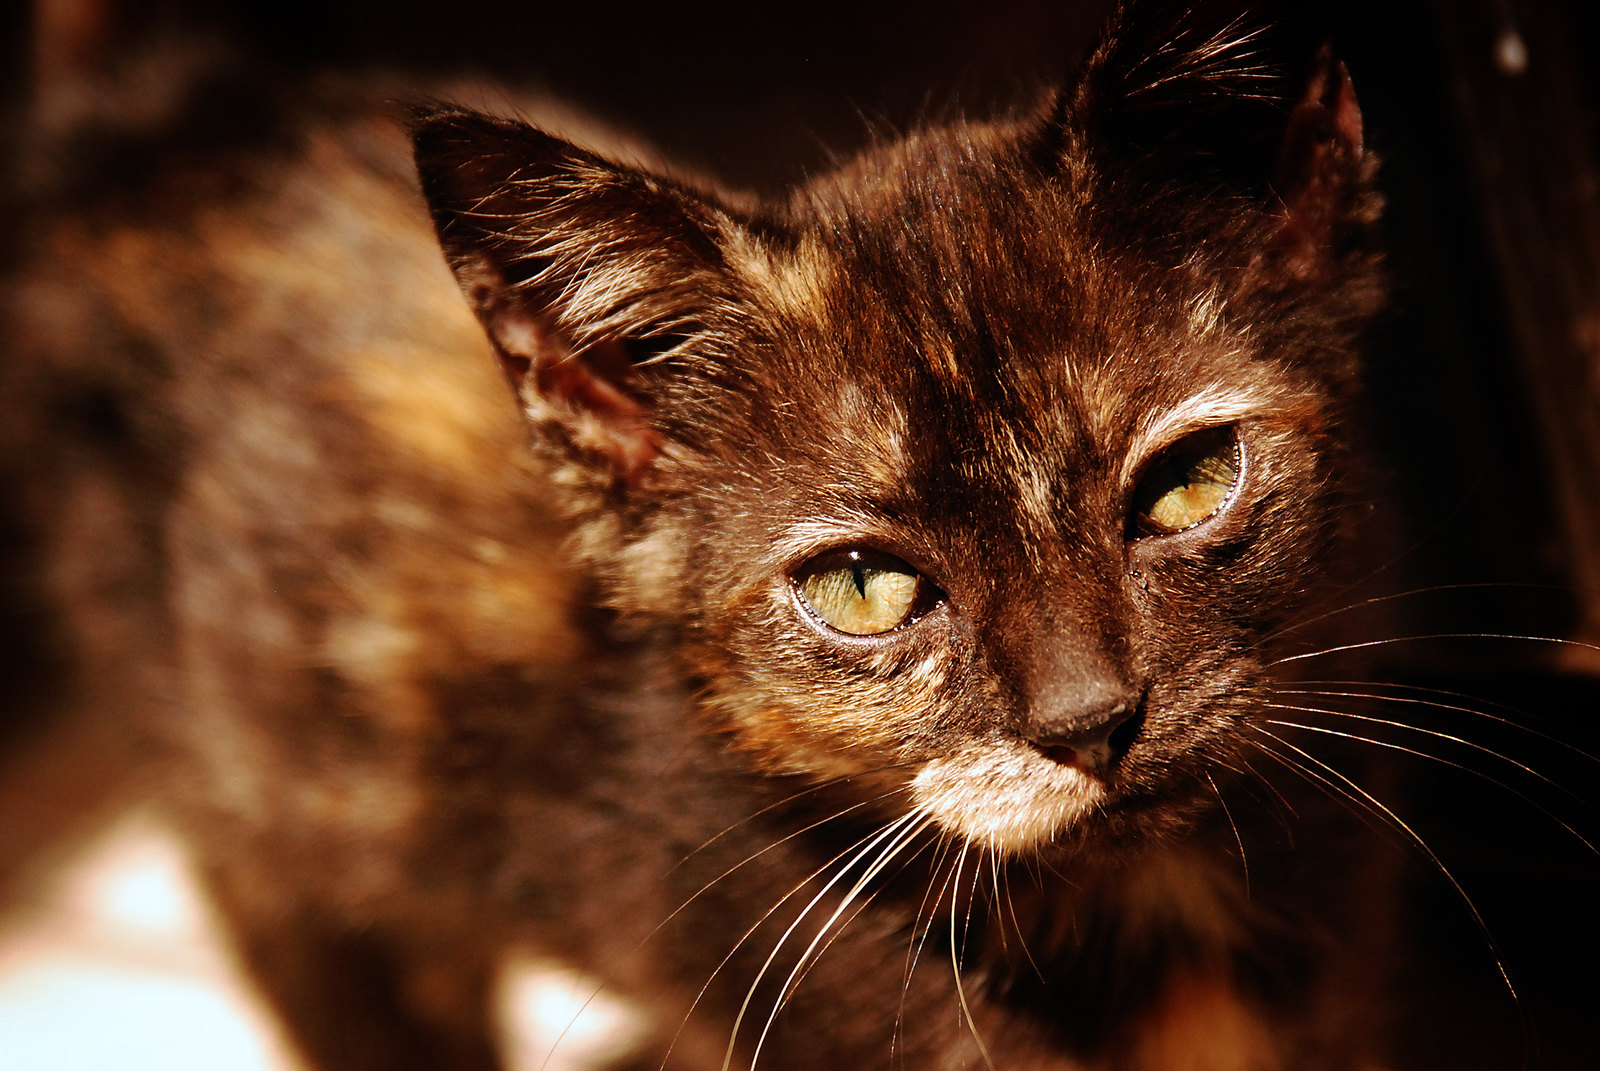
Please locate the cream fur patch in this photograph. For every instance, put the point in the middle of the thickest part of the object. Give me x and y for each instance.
(1004, 796)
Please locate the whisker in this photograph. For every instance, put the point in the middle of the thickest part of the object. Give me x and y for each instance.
(799, 886)
(955, 965)
(994, 875)
(1278, 806)
(1437, 735)
(1513, 723)
(752, 857)
(1341, 648)
(756, 925)
(1244, 859)
(1022, 939)
(810, 790)
(914, 948)
(1420, 541)
(1337, 782)
(1378, 600)
(972, 897)
(655, 930)
(889, 831)
(1276, 792)
(1353, 791)
(1581, 839)
(839, 930)
(905, 835)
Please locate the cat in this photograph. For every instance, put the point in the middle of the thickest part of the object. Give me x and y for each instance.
(844, 636)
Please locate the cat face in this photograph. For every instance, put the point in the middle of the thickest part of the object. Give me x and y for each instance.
(980, 473)
(984, 514)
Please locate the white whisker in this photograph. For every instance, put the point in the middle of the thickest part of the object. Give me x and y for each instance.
(758, 923)
(1244, 859)
(1022, 939)
(994, 877)
(1435, 734)
(1434, 704)
(1444, 762)
(1421, 637)
(810, 790)
(930, 902)
(1378, 600)
(838, 930)
(909, 826)
(1339, 783)
(955, 962)
(889, 831)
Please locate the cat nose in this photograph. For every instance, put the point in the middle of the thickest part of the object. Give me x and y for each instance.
(1091, 737)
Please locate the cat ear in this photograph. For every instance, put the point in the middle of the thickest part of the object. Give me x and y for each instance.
(1323, 174)
(1214, 96)
(584, 273)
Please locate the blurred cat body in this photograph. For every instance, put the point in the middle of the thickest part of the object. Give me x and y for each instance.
(425, 696)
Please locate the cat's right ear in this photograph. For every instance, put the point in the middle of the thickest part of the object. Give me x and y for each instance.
(585, 273)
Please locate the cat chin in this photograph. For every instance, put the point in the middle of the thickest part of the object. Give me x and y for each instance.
(1004, 797)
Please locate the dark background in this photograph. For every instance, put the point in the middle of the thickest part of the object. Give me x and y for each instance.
(1485, 378)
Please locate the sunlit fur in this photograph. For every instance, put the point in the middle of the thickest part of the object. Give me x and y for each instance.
(435, 675)
(1004, 796)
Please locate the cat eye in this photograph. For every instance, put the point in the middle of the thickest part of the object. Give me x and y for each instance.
(863, 592)
(1187, 484)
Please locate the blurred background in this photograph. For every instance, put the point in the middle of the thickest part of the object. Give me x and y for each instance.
(1485, 380)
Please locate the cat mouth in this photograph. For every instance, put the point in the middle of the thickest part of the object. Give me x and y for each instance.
(1007, 797)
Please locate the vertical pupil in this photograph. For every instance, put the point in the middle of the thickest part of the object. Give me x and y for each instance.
(861, 592)
(1189, 482)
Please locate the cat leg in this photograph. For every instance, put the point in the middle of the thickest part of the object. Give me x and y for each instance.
(353, 1001)
(1203, 1024)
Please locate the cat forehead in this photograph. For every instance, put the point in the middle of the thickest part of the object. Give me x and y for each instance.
(1055, 330)
(958, 248)
(947, 309)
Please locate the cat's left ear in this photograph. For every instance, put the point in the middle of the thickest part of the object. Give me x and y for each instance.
(1217, 98)
(1323, 174)
(586, 274)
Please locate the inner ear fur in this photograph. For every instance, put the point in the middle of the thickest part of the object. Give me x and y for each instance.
(582, 271)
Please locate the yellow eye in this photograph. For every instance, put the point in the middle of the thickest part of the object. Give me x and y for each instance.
(1188, 483)
(862, 592)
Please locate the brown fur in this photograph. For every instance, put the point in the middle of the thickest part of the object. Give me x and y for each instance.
(428, 690)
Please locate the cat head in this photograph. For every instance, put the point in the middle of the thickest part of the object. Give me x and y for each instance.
(984, 467)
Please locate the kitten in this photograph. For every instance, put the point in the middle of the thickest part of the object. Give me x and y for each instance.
(845, 654)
